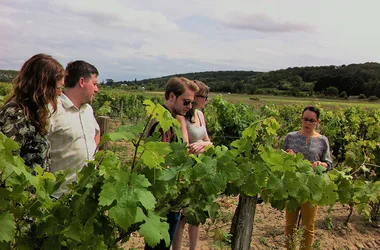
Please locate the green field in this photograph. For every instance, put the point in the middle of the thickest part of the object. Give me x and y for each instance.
(259, 100)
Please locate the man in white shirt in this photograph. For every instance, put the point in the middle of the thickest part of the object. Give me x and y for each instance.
(74, 132)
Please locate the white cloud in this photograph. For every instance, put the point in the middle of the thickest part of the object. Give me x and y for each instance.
(8, 23)
(117, 14)
(142, 39)
(262, 23)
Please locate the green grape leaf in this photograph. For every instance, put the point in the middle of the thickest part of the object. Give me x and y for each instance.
(250, 186)
(154, 153)
(153, 230)
(149, 106)
(316, 184)
(124, 213)
(276, 186)
(10, 145)
(146, 198)
(228, 168)
(7, 229)
(274, 160)
(108, 194)
(165, 119)
(213, 210)
(292, 183)
(345, 191)
(73, 232)
(319, 169)
(292, 205)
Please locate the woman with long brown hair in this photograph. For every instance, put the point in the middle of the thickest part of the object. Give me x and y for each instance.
(25, 115)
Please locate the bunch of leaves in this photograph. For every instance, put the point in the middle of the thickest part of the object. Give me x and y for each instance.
(109, 200)
(25, 197)
(227, 121)
(362, 138)
(178, 181)
(356, 192)
(279, 177)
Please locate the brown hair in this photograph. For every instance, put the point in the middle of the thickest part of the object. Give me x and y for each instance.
(312, 109)
(35, 87)
(77, 69)
(203, 91)
(178, 85)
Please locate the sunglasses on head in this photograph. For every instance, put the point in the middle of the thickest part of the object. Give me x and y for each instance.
(203, 96)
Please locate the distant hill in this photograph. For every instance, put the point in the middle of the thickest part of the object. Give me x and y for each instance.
(343, 81)
(7, 75)
(216, 80)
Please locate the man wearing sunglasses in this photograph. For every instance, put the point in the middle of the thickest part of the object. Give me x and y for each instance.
(179, 97)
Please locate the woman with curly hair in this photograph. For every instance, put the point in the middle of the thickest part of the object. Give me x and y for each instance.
(25, 115)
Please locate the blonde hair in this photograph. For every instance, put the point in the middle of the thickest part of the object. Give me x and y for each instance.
(178, 86)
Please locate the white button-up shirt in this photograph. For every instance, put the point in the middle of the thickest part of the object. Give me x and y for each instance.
(72, 134)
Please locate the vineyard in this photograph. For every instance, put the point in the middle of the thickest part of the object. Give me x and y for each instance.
(116, 196)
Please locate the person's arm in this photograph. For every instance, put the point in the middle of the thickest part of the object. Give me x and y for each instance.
(97, 132)
(206, 139)
(326, 160)
(97, 138)
(199, 146)
(183, 128)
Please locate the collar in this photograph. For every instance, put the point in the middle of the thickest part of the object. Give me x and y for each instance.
(68, 104)
(168, 110)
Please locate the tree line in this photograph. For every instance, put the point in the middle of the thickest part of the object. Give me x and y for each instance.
(346, 80)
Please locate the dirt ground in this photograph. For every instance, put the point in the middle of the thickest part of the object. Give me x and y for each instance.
(268, 233)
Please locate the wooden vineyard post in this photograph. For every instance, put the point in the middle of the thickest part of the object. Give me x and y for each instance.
(242, 222)
(103, 122)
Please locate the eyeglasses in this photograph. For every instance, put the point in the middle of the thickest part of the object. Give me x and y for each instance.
(203, 96)
(187, 102)
(59, 87)
(308, 120)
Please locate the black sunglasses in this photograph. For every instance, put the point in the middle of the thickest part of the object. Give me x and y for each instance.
(187, 102)
(203, 96)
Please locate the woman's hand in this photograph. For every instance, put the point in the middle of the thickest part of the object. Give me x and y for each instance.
(196, 148)
(319, 163)
(290, 151)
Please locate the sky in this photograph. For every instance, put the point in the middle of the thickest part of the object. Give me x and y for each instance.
(151, 38)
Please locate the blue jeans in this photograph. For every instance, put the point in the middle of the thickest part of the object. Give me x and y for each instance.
(173, 220)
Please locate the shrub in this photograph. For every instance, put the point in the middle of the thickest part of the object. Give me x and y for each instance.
(331, 91)
(373, 98)
(5, 88)
(343, 95)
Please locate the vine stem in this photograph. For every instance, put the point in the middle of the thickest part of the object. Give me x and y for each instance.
(137, 144)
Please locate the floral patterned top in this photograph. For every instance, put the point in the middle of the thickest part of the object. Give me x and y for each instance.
(317, 149)
(35, 147)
